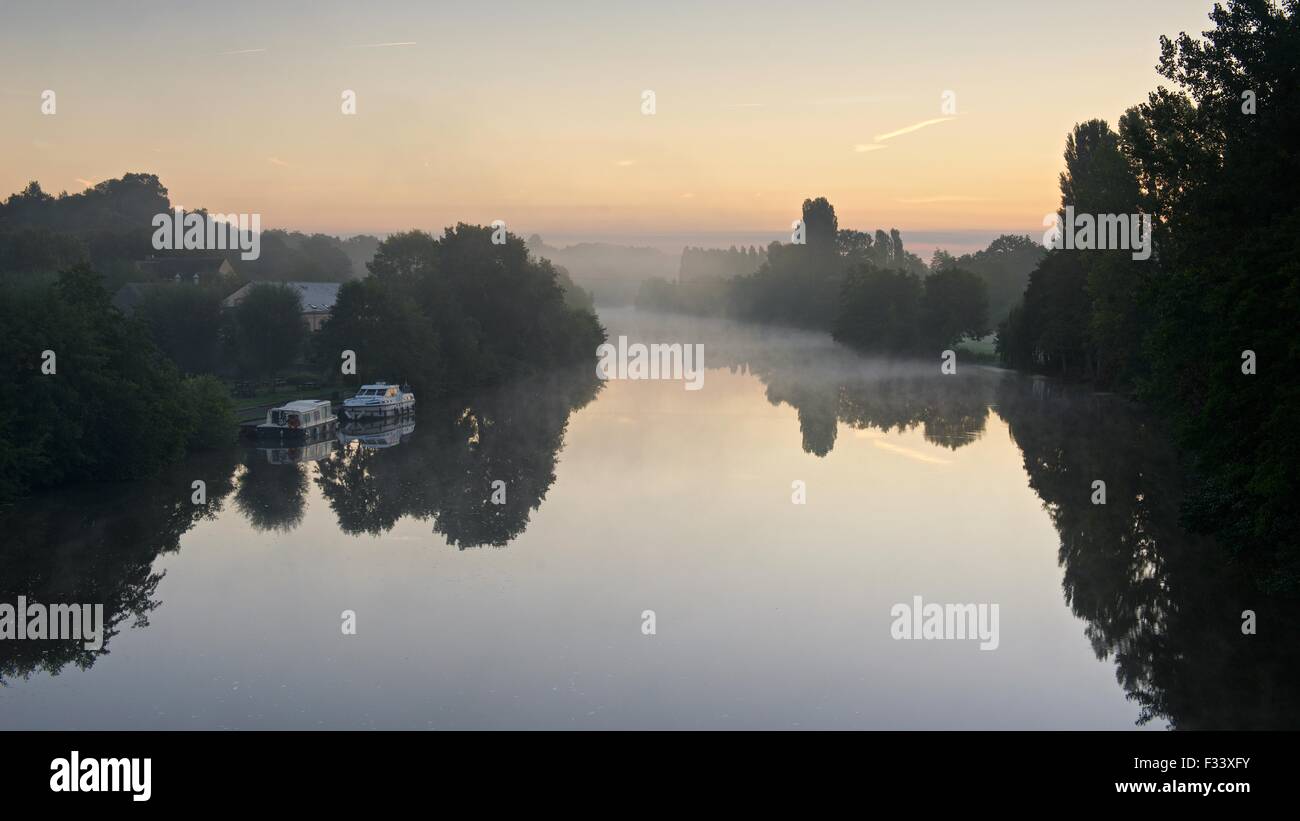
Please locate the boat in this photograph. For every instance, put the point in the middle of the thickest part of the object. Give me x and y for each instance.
(379, 401)
(300, 420)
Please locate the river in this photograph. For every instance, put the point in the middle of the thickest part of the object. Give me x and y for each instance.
(766, 526)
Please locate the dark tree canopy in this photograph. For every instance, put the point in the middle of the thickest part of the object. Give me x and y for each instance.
(267, 331)
(1214, 162)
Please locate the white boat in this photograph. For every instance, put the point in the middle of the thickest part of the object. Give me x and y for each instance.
(379, 401)
(304, 419)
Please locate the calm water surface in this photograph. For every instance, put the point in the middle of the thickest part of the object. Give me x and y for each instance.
(634, 496)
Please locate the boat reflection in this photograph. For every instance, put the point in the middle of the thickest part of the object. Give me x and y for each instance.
(376, 434)
(313, 452)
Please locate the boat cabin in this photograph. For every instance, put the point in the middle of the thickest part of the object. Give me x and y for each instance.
(304, 417)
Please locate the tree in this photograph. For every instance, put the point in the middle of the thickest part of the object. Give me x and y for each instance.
(1081, 307)
(459, 311)
(404, 256)
(1230, 272)
(267, 330)
(185, 323)
(113, 407)
(879, 310)
(820, 224)
(1214, 164)
(1048, 331)
(1004, 266)
(391, 337)
(954, 305)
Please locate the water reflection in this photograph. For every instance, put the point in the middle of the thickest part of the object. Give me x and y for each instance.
(97, 545)
(1165, 605)
(445, 473)
(1160, 606)
(374, 435)
(828, 384)
(272, 491)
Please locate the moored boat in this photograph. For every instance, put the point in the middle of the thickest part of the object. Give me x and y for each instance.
(303, 419)
(380, 400)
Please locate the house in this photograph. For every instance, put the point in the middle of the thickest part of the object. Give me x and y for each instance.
(165, 272)
(177, 269)
(318, 299)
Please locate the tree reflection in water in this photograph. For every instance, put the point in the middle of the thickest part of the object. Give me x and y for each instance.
(445, 470)
(97, 544)
(1164, 604)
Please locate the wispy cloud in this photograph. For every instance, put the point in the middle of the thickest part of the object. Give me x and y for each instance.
(625, 163)
(277, 161)
(909, 453)
(909, 129)
(241, 51)
(745, 105)
(85, 183)
(381, 45)
(864, 98)
(940, 198)
(864, 147)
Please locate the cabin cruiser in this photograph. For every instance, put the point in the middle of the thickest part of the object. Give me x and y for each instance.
(303, 419)
(379, 401)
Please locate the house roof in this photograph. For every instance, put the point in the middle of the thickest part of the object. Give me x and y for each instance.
(317, 297)
(168, 267)
(299, 405)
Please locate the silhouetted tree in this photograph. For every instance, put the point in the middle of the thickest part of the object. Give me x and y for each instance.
(267, 331)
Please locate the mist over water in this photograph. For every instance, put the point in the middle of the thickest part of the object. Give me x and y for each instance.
(630, 496)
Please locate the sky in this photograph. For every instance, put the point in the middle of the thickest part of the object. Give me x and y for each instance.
(532, 113)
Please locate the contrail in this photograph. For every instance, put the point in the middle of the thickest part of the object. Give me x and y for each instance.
(912, 128)
(940, 198)
(909, 453)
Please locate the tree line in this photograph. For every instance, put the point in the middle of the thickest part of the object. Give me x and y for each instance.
(1204, 330)
(865, 288)
(124, 395)
(712, 263)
